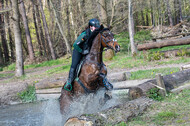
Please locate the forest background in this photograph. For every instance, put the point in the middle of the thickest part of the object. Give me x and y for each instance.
(33, 31)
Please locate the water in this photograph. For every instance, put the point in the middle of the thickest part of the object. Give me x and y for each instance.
(47, 113)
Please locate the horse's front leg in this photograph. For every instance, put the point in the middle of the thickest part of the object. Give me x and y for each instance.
(105, 81)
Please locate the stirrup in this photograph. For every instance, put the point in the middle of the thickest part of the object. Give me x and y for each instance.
(66, 85)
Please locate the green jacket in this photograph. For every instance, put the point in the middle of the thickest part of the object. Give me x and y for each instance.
(81, 40)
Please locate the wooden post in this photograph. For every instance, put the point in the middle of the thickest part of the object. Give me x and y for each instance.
(160, 83)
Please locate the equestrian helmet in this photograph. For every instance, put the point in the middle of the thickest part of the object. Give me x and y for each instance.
(94, 22)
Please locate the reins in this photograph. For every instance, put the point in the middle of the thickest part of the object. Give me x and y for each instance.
(103, 39)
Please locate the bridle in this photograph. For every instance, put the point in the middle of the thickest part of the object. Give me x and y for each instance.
(105, 41)
(103, 36)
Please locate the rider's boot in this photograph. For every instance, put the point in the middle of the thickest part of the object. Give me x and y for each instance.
(106, 83)
(68, 86)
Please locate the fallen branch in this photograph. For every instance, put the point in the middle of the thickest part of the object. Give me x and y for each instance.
(164, 43)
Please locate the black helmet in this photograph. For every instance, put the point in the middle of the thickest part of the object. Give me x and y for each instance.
(94, 22)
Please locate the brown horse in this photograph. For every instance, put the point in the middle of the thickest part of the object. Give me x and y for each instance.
(90, 78)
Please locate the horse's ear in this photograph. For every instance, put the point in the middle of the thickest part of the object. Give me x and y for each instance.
(101, 27)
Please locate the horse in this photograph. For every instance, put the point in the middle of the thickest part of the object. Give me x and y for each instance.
(93, 69)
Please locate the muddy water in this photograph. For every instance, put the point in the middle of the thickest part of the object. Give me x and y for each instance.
(47, 113)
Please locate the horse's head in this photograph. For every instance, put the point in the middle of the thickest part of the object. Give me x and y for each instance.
(108, 40)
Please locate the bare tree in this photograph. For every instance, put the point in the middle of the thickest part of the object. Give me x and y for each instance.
(39, 24)
(1, 56)
(18, 42)
(3, 34)
(11, 43)
(69, 50)
(36, 28)
(169, 12)
(47, 31)
(131, 27)
(27, 31)
(103, 12)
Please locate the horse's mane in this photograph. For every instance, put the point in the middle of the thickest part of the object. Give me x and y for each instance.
(94, 34)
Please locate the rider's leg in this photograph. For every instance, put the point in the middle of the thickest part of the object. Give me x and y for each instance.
(106, 83)
(75, 60)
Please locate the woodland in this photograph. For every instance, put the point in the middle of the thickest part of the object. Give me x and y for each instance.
(33, 31)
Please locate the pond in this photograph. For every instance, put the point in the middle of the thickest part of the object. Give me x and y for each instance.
(47, 113)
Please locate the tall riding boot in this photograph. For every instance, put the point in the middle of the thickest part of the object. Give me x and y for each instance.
(68, 86)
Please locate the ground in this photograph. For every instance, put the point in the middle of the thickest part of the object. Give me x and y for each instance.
(10, 85)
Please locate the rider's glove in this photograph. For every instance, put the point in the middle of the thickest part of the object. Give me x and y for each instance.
(85, 52)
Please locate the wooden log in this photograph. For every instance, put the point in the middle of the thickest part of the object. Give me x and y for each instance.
(49, 91)
(181, 88)
(160, 83)
(185, 67)
(41, 97)
(50, 84)
(140, 90)
(164, 43)
(171, 81)
(169, 36)
(115, 114)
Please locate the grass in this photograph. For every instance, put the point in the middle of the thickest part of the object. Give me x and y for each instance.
(28, 95)
(59, 61)
(144, 74)
(173, 110)
(4, 75)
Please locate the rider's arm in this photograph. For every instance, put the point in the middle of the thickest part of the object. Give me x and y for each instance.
(79, 40)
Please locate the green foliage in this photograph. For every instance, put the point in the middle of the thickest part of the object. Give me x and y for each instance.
(10, 67)
(28, 95)
(183, 52)
(151, 56)
(142, 36)
(124, 42)
(155, 94)
(1, 68)
(121, 124)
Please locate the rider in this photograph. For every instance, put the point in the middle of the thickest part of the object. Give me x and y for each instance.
(81, 48)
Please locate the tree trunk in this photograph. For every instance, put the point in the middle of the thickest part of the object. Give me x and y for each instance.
(113, 4)
(169, 12)
(131, 27)
(18, 42)
(27, 32)
(1, 56)
(43, 40)
(47, 31)
(164, 43)
(36, 28)
(69, 50)
(142, 18)
(180, 11)
(3, 34)
(11, 44)
(152, 13)
(147, 19)
(103, 12)
(72, 19)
